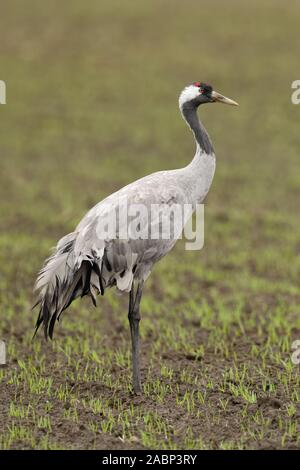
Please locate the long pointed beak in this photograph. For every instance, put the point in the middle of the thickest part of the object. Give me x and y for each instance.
(218, 98)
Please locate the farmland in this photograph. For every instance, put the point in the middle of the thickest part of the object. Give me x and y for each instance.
(92, 92)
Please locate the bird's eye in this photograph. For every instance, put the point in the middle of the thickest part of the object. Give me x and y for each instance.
(206, 89)
(197, 84)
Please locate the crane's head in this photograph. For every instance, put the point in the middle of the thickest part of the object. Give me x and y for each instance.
(200, 93)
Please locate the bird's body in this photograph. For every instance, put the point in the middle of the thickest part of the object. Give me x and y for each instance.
(90, 259)
(184, 186)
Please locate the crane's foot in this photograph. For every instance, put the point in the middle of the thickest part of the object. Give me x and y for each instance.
(137, 389)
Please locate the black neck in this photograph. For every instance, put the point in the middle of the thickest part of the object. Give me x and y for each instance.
(189, 112)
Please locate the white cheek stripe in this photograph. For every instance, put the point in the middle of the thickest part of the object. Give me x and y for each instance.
(189, 93)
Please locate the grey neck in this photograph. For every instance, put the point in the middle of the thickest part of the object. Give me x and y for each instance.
(189, 113)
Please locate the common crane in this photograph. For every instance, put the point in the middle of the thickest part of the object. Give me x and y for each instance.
(86, 262)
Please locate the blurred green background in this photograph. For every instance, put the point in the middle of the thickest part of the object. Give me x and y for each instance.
(92, 90)
(92, 93)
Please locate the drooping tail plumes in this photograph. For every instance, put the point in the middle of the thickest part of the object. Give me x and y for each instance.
(61, 280)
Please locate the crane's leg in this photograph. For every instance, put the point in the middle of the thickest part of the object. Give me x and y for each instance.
(134, 321)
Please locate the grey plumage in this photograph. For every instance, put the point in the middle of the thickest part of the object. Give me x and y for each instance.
(85, 264)
(82, 263)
